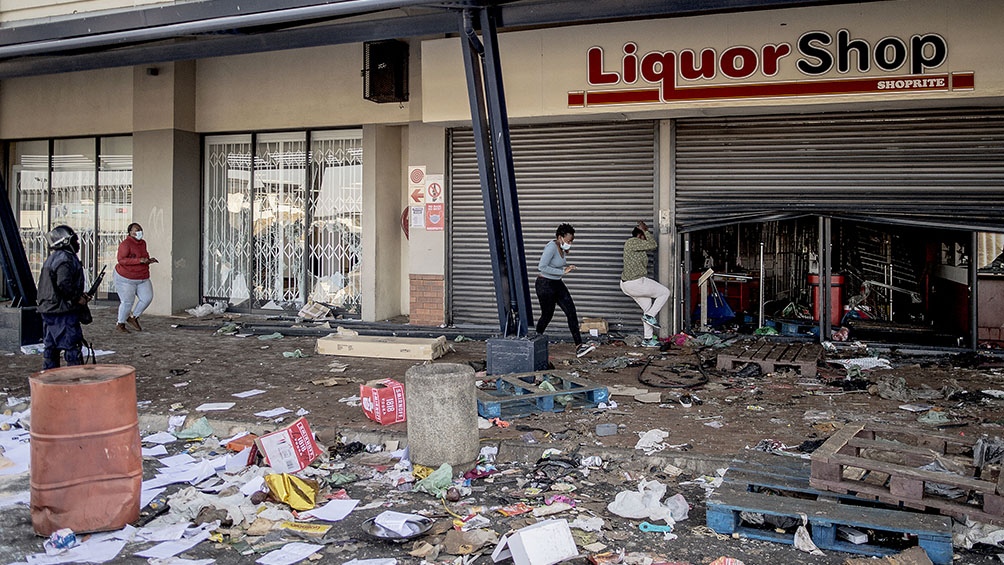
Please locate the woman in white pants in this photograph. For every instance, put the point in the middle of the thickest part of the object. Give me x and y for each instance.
(132, 279)
(648, 293)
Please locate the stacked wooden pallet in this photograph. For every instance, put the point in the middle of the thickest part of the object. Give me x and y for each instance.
(775, 485)
(541, 391)
(772, 356)
(881, 462)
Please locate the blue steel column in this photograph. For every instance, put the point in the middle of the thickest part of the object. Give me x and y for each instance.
(498, 182)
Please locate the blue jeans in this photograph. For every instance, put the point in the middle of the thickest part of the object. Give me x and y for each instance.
(129, 290)
(62, 333)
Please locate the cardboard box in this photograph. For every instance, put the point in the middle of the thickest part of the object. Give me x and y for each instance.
(383, 401)
(543, 543)
(382, 347)
(599, 324)
(290, 449)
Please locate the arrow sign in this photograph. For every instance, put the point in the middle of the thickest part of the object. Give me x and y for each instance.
(418, 195)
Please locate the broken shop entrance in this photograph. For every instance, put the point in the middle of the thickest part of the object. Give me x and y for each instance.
(888, 283)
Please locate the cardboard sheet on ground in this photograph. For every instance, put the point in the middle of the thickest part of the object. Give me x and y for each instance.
(543, 543)
(382, 347)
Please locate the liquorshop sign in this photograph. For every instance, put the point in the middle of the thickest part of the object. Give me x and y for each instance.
(891, 64)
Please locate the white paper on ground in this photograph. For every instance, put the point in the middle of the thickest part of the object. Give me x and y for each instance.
(14, 499)
(211, 406)
(237, 462)
(378, 561)
(160, 437)
(181, 561)
(20, 457)
(252, 486)
(397, 522)
(165, 533)
(248, 393)
(172, 548)
(273, 412)
(87, 552)
(332, 511)
(154, 451)
(289, 554)
(148, 494)
(179, 460)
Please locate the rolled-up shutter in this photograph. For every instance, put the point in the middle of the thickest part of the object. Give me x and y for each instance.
(936, 168)
(600, 178)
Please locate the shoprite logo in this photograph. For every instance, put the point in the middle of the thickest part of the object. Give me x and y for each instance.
(891, 64)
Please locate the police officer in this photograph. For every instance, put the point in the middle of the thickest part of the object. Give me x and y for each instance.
(60, 298)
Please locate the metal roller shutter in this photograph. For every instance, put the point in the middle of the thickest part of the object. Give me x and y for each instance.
(600, 178)
(942, 169)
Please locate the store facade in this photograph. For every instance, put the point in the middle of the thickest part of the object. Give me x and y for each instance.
(860, 143)
(266, 179)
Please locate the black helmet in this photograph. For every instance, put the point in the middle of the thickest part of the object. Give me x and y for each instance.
(63, 237)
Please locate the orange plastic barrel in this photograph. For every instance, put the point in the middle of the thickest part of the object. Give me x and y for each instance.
(86, 462)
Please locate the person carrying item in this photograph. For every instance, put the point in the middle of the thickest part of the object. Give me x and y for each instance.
(648, 293)
(132, 279)
(551, 291)
(61, 297)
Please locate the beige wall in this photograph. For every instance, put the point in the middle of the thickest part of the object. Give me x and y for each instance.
(65, 105)
(13, 10)
(547, 64)
(383, 177)
(166, 176)
(317, 87)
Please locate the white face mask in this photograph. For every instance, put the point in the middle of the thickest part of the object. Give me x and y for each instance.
(566, 246)
(138, 235)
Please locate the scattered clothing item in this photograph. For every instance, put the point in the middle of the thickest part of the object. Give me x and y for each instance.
(584, 348)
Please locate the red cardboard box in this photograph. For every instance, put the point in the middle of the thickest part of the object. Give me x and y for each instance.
(383, 401)
(290, 449)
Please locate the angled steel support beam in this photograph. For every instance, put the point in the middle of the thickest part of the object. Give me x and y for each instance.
(498, 179)
(13, 260)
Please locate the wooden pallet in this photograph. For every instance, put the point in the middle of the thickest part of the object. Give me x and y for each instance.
(772, 357)
(521, 394)
(779, 486)
(881, 462)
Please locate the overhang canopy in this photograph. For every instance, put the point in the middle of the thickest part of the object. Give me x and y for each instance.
(212, 28)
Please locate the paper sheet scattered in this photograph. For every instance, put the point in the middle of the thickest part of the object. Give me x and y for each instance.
(289, 554)
(332, 511)
(273, 412)
(248, 393)
(215, 406)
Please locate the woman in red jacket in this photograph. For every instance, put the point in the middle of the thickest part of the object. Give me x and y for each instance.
(132, 279)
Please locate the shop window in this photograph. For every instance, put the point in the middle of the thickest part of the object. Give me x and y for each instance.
(282, 223)
(85, 183)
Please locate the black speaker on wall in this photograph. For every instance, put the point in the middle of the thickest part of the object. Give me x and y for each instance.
(385, 71)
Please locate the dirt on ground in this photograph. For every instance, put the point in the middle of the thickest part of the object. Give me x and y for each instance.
(710, 415)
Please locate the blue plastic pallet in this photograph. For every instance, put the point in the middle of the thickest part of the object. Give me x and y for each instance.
(521, 395)
(790, 475)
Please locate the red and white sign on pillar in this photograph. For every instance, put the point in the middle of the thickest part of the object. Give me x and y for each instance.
(435, 209)
(416, 185)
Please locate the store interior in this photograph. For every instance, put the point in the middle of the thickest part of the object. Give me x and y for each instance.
(889, 283)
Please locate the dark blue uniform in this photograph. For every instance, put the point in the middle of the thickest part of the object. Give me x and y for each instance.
(60, 287)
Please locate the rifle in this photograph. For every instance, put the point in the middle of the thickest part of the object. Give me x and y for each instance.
(97, 282)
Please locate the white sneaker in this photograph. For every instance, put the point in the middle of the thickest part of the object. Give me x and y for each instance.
(584, 349)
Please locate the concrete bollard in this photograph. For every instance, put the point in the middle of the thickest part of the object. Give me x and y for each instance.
(441, 399)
